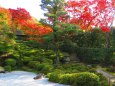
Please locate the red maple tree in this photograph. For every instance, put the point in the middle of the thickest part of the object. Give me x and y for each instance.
(23, 20)
(91, 13)
(19, 14)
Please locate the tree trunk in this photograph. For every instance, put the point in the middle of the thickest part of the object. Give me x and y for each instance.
(107, 38)
(57, 57)
(56, 46)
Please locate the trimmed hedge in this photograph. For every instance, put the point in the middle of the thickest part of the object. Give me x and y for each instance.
(75, 79)
(54, 77)
(86, 79)
(91, 54)
(95, 55)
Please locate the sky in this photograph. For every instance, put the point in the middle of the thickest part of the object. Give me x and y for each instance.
(32, 6)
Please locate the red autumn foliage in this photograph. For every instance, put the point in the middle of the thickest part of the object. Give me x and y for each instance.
(91, 13)
(23, 20)
(33, 28)
(19, 14)
(105, 29)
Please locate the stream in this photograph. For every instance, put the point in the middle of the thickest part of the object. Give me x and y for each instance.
(23, 78)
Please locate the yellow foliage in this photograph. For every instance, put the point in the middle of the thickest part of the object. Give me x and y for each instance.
(5, 17)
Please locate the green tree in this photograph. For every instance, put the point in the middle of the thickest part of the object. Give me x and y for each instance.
(6, 35)
(55, 12)
(55, 9)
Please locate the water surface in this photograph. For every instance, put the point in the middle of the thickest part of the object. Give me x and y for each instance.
(23, 78)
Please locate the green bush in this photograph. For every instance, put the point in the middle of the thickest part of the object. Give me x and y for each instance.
(42, 67)
(48, 53)
(111, 69)
(48, 61)
(92, 70)
(72, 68)
(43, 59)
(39, 66)
(54, 77)
(11, 62)
(39, 58)
(103, 80)
(75, 66)
(86, 79)
(75, 79)
(45, 68)
(27, 59)
(112, 61)
(67, 78)
(8, 68)
(33, 64)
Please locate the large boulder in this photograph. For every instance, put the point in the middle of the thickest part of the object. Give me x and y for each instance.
(2, 70)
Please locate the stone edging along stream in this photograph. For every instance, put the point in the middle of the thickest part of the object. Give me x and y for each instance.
(111, 78)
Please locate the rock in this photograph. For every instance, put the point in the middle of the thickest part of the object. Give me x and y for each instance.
(67, 59)
(90, 66)
(39, 76)
(2, 70)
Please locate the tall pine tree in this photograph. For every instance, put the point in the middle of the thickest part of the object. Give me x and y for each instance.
(55, 13)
